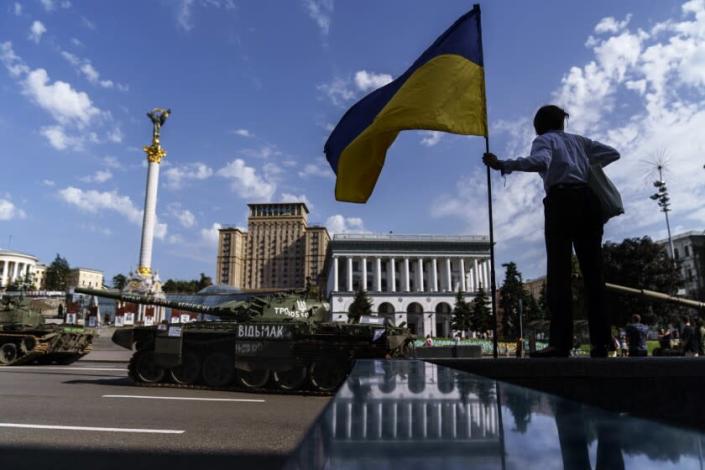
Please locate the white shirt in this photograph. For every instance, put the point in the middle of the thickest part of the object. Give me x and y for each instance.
(562, 158)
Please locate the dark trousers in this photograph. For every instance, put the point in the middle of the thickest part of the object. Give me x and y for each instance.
(573, 220)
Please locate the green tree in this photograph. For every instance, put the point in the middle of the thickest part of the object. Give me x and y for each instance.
(512, 291)
(461, 313)
(533, 310)
(642, 264)
(177, 286)
(480, 313)
(361, 305)
(119, 281)
(203, 282)
(57, 274)
(543, 305)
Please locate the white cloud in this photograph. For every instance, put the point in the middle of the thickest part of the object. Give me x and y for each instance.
(185, 217)
(17, 9)
(88, 23)
(263, 152)
(288, 197)
(431, 138)
(12, 62)
(611, 25)
(246, 182)
(8, 211)
(112, 162)
(340, 224)
(176, 176)
(93, 201)
(368, 81)
(210, 235)
(60, 140)
(339, 91)
(184, 13)
(321, 170)
(47, 182)
(243, 133)
(65, 104)
(320, 11)
(36, 31)
(89, 72)
(51, 5)
(100, 176)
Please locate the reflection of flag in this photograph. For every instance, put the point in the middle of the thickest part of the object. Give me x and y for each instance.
(443, 90)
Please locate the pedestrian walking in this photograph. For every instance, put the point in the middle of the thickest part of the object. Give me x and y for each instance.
(689, 341)
(636, 333)
(573, 219)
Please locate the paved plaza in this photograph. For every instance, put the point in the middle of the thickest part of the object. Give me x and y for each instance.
(89, 413)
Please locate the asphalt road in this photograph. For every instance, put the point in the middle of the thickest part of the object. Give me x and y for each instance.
(88, 415)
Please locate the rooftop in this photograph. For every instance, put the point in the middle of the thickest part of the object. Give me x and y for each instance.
(17, 253)
(409, 238)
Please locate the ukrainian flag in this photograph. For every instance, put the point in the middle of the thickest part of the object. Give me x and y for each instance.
(444, 90)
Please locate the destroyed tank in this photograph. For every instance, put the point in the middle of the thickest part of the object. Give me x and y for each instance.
(283, 341)
(25, 338)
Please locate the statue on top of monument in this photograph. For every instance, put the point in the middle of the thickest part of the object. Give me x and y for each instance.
(158, 116)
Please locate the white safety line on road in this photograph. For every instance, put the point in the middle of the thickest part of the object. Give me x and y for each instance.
(149, 397)
(90, 428)
(103, 369)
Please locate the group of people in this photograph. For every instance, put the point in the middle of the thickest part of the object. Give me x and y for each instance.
(689, 340)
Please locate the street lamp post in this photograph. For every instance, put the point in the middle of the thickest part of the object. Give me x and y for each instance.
(664, 202)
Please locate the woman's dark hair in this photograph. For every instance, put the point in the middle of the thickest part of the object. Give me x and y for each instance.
(549, 118)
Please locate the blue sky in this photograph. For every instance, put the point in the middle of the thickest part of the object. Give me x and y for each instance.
(255, 88)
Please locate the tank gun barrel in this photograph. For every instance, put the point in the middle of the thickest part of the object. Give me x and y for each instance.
(148, 300)
(655, 295)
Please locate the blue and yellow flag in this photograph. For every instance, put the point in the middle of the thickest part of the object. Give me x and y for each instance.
(444, 90)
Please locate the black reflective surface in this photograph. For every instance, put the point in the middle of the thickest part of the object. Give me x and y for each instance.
(414, 415)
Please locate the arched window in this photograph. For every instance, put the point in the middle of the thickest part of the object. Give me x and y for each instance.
(414, 307)
(385, 308)
(443, 307)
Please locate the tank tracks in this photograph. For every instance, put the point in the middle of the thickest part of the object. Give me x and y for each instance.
(33, 349)
(132, 374)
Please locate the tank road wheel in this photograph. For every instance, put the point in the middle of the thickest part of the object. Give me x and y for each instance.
(291, 379)
(8, 353)
(327, 376)
(146, 368)
(253, 378)
(218, 370)
(189, 370)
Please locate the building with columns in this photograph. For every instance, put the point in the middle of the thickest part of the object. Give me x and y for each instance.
(409, 278)
(15, 265)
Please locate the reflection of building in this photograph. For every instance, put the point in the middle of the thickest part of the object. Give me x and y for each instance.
(407, 414)
(16, 266)
(85, 277)
(689, 252)
(278, 250)
(409, 278)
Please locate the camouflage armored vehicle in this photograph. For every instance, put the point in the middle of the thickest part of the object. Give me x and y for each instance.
(283, 341)
(26, 339)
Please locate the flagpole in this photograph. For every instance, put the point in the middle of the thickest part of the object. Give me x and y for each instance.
(493, 284)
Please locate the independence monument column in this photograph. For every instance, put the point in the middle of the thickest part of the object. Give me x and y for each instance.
(146, 281)
(155, 154)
